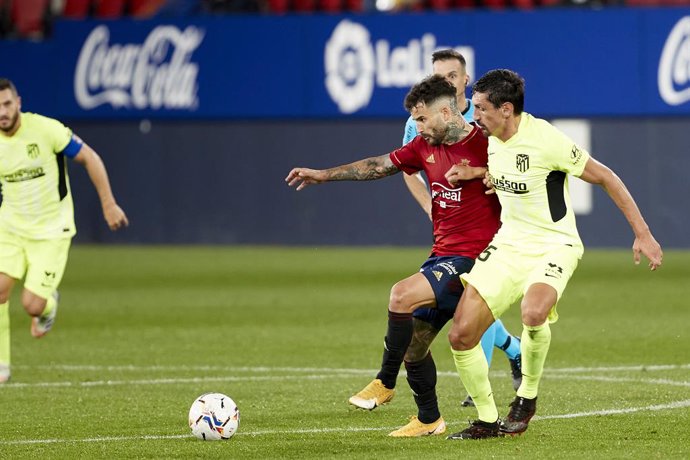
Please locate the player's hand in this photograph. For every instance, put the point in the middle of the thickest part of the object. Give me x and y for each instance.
(459, 172)
(488, 184)
(301, 177)
(115, 217)
(647, 245)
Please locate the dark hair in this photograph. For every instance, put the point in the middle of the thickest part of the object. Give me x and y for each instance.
(7, 84)
(429, 91)
(450, 53)
(500, 86)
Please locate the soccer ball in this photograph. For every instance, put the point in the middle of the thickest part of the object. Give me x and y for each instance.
(214, 416)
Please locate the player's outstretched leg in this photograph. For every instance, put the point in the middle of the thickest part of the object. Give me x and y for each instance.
(4, 342)
(381, 389)
(41, 325)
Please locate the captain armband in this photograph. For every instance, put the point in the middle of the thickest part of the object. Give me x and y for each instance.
(73, 147)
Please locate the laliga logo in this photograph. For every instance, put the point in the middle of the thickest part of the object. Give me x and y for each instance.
(674, 65)
(155, 74)
(349, 66)
(353, 65)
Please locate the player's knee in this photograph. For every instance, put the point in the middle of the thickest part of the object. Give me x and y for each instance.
(461, 339)
(534, 315)
(4, 295)
(399, 299)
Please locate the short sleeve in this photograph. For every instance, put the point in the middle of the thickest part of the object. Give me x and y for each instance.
(407, 157)
(59, 135)
(410, 131)
(565, 154)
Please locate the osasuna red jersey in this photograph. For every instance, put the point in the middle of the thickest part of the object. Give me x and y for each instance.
(465, 218)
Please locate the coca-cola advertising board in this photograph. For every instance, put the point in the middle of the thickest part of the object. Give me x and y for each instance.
(577, 63)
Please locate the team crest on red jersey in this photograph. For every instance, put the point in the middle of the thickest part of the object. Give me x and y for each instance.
(430, 159)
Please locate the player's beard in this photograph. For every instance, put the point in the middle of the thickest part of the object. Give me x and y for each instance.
(436, 137)
(13, 122)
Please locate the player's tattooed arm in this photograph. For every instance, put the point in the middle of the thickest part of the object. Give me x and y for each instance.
(367, 169)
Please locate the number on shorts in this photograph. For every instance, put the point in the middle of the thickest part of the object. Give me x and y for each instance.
(487, 252)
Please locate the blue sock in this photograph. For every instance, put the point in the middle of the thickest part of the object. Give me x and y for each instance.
(488, 341)
(504, 341)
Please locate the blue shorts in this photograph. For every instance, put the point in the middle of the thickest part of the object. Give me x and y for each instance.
(443, 274)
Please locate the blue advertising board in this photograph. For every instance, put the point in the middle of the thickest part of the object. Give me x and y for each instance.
(577, 63)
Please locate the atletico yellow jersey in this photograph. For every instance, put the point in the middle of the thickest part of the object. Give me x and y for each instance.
(36, 197)
(530, 174)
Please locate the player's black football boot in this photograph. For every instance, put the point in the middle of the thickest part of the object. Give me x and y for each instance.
(478, 430)
(521, 412)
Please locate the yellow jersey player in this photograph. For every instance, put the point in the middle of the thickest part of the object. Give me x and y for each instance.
(536, 250)
(36, 215)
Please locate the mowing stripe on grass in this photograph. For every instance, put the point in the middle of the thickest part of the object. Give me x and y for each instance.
(630, 410)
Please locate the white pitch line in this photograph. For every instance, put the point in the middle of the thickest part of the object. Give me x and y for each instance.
(323, 376)
(656, 407)
(97, 383)
(639, 368)
(133, 368)
(176, 368)
(620, 380)
(98, 439)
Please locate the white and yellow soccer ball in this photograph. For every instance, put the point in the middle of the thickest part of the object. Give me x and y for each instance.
(214, 416)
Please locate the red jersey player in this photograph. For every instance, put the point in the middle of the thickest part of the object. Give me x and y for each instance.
(465, 220)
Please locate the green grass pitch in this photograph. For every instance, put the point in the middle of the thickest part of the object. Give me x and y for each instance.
(291, 333)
